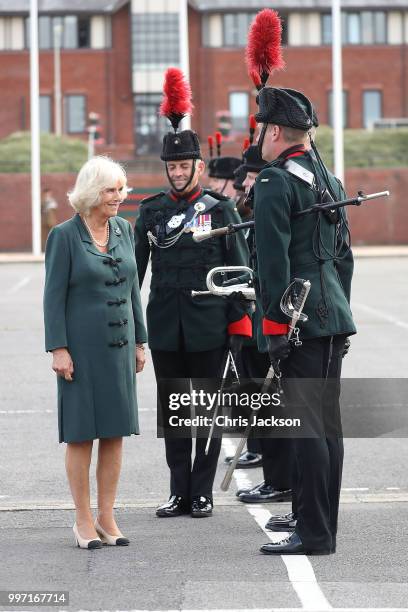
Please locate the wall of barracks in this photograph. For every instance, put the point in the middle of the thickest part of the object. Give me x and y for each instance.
(382, 221)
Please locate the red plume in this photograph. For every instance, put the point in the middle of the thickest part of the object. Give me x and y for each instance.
(211, 145)
(255, 78)
(252, 128)
(263, 52)
(176, 102)
(218, 140)
(245, 145)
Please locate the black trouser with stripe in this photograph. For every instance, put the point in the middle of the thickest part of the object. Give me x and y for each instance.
(318, 460)
(190, 478)
(277, 455)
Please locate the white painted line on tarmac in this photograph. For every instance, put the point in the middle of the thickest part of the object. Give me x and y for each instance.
(355, 489)
(241, 476)
(380, 314)
(393, 488)
(299, 568)
(24, 281)
(27, 411)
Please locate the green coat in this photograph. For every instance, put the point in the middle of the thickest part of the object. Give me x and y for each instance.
(92, 307)
(285, 250)
(172, 313)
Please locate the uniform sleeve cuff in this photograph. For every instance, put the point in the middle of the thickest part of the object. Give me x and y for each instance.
(271, 328)
(243, 327)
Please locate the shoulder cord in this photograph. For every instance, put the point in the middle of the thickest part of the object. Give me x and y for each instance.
(339, 240)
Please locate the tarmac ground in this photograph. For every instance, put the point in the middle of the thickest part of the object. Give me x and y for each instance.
(182, 563)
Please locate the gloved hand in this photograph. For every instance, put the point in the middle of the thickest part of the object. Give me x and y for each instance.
(235, 344)
(238, 306)
(278, 347)
(346, 348)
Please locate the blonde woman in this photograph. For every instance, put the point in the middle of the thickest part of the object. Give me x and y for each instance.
(94, 328)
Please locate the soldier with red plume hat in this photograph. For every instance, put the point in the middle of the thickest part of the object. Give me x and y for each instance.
(188, 336)
(316, 248)
(221, 171)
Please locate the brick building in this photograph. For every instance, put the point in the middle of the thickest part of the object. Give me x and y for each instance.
(114, 53)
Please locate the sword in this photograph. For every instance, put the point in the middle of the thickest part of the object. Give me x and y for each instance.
(296, 315)
(230, 362)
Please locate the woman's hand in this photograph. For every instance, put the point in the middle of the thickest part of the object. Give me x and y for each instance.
(62, 363)
(140, 358)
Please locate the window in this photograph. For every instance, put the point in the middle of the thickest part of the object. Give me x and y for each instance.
(75, 114)
(372, 107)
(11, 33)
(380, 27)
(345, 109)
(44, 33)
(235, 28)
(239, 110)
(374, 27)
(45, 113)
(327, 29)
(366, 28)
(150, 127)
(74, 32)
(155, 40)
(84, 32)
(70, 32)
(353, 31)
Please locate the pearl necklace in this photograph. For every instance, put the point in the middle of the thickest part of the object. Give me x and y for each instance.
(100, 244)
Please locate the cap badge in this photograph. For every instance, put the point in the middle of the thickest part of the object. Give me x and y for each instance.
(199, 207)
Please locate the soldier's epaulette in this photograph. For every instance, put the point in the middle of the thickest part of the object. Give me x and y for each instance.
(152, 197)
(216, 195)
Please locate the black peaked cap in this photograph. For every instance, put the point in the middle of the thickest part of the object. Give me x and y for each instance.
(240, 176)
(211, 167)
(224, 167)
(280, 107)
(180, 145)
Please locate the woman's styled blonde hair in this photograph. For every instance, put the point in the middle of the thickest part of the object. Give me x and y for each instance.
(97, 174)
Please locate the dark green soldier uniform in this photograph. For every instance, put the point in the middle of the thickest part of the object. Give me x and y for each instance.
(277, 464)
(201, 322)
(313, 247)
(187, 335)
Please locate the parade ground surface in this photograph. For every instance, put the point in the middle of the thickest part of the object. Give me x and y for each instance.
(183, 563)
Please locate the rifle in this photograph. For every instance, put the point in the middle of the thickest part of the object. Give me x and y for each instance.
(232, 228)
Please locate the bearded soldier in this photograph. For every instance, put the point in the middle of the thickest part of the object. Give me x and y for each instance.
(187, 335)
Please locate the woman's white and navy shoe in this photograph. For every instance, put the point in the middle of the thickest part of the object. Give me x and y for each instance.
(108, 539)
(83, 543)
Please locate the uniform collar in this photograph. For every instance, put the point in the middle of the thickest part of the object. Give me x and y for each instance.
(194, 194)
(295, 151)
(115, 234)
